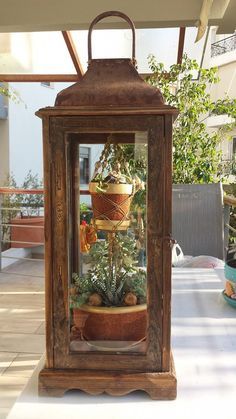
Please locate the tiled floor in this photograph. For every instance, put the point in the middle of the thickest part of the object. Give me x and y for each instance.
(21, 328)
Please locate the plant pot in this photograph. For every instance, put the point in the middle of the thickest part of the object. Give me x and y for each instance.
(230, 270)
(111, 206)
(111, 323)
(229, 300)
(27, 231)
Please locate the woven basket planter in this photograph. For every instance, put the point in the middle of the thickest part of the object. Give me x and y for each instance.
(111, 206)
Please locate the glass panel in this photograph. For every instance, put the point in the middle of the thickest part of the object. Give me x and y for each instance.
(108, 257)
(46, 52)
(34, 53)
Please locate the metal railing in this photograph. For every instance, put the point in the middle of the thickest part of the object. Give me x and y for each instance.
(223, 46)
(10, 216)
(19, 220)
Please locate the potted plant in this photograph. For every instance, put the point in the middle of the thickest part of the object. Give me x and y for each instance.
(112, 188)
(109, 301)
(229, 292)
(27, 227)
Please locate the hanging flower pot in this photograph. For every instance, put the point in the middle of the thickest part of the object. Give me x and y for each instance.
(111, 205)
(112, 189)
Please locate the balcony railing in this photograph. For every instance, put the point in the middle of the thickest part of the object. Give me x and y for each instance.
(223, 46)
(21, 222)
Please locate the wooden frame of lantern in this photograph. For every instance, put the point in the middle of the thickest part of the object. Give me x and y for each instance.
(85, 113)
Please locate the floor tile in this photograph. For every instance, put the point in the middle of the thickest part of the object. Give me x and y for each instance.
(4, 412)
(22, 300)
(22, 338)
(33, 267)
(6, 359)
(23, 365)
(41, 329)
(26, 343)
(20, 325)
(10, 389)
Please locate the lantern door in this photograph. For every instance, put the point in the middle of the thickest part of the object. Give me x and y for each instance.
(128, 240)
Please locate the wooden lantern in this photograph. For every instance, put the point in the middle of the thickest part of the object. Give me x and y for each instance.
(110, 101)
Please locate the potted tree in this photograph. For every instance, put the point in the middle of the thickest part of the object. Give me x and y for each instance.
(109, 301)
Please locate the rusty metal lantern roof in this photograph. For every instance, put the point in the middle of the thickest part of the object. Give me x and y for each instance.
(110, 82)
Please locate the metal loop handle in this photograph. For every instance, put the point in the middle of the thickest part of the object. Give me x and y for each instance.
(104, 15)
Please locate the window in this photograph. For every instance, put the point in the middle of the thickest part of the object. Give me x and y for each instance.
(47, 84)
(234, 145)
(84, 165)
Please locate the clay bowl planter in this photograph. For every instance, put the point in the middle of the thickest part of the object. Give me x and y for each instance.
(111, 323)
(111, 206)
(23, 231)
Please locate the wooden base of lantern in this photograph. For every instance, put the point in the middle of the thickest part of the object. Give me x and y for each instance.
(158, 385)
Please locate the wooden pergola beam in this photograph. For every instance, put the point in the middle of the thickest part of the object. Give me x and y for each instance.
(73, 53)
(30, 78)
(181, 45)
(11, 78)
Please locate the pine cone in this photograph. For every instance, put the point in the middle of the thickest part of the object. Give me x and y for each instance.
(130, 299)
(95, 300)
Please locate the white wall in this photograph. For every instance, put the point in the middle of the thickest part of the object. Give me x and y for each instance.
(4, 149)
(25, 128)
(226, 64)
(24, 148)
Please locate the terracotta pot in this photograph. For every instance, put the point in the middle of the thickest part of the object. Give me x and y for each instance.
(23, 230)
(111, 323)
(111, 207)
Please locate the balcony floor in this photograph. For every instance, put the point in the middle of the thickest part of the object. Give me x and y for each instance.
(21, 328)
(204, 348)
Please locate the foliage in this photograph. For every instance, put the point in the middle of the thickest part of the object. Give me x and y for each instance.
(230, 189)
(136, 155)
(10, 93)
(113, 167)
(31, 204)
(196, 153)
(112, 274)
(14, 204)
(10, 207)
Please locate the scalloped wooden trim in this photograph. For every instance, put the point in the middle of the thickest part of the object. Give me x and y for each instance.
(158, 385)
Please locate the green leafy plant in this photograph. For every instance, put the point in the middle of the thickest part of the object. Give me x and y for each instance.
(19, 204)
(31, 204)
(230, 189)
(10, 93)
(112, 274)
(113, 167)
(196, 154)
(10, 208)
